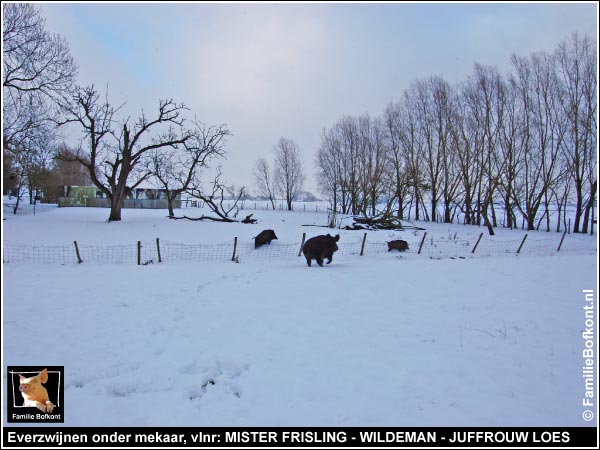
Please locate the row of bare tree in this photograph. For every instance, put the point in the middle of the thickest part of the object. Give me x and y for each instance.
(524, 142)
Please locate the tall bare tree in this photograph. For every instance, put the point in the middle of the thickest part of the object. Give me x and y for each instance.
(289, 170)
(328, 163)
(576, 63)
(115, 156)
(372, 158)
(264, 180)
(543, 132)
(398, 131)
(175, 171)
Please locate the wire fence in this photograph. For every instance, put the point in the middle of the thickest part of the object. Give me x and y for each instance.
(153, 251)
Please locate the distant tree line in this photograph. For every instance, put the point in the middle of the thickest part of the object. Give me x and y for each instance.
(525, 140)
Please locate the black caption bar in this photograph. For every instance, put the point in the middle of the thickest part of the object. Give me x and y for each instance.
(298, 437)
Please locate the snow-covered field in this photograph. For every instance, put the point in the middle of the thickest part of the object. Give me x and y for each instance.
(384, 339)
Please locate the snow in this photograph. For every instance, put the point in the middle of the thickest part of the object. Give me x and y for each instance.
(384, 339)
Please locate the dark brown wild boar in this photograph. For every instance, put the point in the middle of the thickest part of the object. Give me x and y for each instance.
(319, 248)
(264, 237)
(397, 245)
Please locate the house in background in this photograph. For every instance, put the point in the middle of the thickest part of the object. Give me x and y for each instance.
(142, 197)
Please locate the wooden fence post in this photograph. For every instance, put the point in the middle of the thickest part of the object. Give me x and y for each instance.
(521, 246)
(79, 260)
(561, 241)
(477, 243)
(158, 250)
(234, 248)
(302, 245)
(422, 242)
(362, 247)
(139, 252)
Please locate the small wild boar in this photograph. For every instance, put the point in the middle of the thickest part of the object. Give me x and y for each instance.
(397, 245)
(34, 393)
(264, 237)
(319, 248)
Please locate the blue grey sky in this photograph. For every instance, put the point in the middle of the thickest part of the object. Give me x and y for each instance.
(273, 70)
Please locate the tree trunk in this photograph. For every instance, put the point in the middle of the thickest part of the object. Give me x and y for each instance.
(416, 204)
(531, 222)
(486, 221)
(116, 204)
(578, 208)
(433, 205)
(494, 221)
(547, 206)
(16, 208)
(447, 213)
(400, 213)
(508, 210)
(468, 213)
(588, 207)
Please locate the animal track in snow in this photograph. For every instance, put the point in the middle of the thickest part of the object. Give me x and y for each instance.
(217, 376)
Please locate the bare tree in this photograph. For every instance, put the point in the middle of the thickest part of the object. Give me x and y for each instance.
(397, 161)
(348, 135)
(328, 165)
(289, 171)
(544, 134)
(37, 68)
(511, 139)
(427, 93)
(214, 198)
(31, 162)
(411, 140)
(467, 135)
(115, 159)
(576, 63)
(264, 180)
(372, 158)
(175, 171)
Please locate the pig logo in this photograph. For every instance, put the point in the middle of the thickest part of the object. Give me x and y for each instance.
(35, 394)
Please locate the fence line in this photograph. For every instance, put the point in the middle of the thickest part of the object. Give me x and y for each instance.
(148, 252)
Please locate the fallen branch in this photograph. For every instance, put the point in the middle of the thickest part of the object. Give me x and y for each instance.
(214, 219)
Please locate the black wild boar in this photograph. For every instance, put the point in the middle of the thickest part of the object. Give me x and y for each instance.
(264, 237)
(397, 245)
(319, 248)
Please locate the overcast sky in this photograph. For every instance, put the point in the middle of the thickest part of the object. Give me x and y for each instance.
(288, 70)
